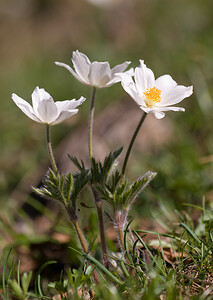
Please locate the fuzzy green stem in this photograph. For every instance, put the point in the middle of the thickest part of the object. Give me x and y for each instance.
(132, 141)
(98, 201)
(83, 243)
(91, 118)
(120, 220)
(121, 237)
(99, 207)
(80, 235)
(50, 150)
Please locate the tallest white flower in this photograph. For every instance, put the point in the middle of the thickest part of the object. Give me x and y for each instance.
(96, 74)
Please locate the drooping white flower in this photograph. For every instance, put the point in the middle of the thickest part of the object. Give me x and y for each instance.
(154, 96)
(45, 110)
(96, 74)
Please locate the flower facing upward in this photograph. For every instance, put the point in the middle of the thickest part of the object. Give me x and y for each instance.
(96, 74)
(154, 96)
(45, 110)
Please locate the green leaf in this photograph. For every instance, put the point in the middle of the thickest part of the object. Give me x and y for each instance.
(25, 281)
(80, 181)
(99, 172)
(79, 165)
(16, 288)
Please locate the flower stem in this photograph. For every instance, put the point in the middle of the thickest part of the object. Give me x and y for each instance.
(91, 118)
(120, 219)
(80, 235)
(83, 243)
(98, 201)
(99, 207)
(132, 141)
(50, 150)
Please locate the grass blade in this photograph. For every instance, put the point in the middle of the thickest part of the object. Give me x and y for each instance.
(4, 273)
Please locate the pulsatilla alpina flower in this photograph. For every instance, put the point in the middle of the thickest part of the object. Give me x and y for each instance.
(154, 96)
(96, 74)
(45, 110)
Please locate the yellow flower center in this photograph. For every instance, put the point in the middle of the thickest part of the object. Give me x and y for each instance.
(152, 95)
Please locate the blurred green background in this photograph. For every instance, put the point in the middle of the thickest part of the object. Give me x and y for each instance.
(173, 37)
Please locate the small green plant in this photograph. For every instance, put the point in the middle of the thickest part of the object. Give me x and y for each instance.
(138, 269)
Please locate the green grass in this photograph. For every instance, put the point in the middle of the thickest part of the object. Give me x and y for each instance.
(183, 273)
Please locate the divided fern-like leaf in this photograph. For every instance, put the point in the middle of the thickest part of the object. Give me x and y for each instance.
(100, 172)
(80, 181)
(80, 165)
(65, 188)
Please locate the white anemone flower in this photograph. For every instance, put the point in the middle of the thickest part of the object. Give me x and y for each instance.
(154, 96)
(95, 74)
(45, 110)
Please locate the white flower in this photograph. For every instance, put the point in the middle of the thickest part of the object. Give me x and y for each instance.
(154, 96)
(45, 110)
(96, 74)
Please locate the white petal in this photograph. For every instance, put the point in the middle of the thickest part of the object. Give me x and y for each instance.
(159, 115)
(159, 111)
(129, 86)
(130, 72)
(25, 107)
(165, 82)
(81, 64)
(69, 104)
(175, 95)
(71, 71)
(37, 96)
(167, 108)
(120, 68)
(63, 116)
(100, 74)
(47, 111)
(144, 78)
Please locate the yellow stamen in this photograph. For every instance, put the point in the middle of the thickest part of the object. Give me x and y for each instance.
(152, 95)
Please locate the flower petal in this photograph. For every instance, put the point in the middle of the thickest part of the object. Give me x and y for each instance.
(167, 108)
(37, 96)
(81, 64)
(71, 71)
(144, 78)
(165, 82)
(25, 107)
(69, 104)
(47, 111)
(159, 115)
(63, 116)
(159, 111)
(129, 86)
(175, 95)
(100, 74)
(120, 68)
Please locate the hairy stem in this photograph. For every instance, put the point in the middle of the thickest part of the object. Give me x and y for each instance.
(83, 242)
(50, 150)
(99, 207)
(132, 141)
(120, 220)
(80, 235)
(91, 118)
(98, 201)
